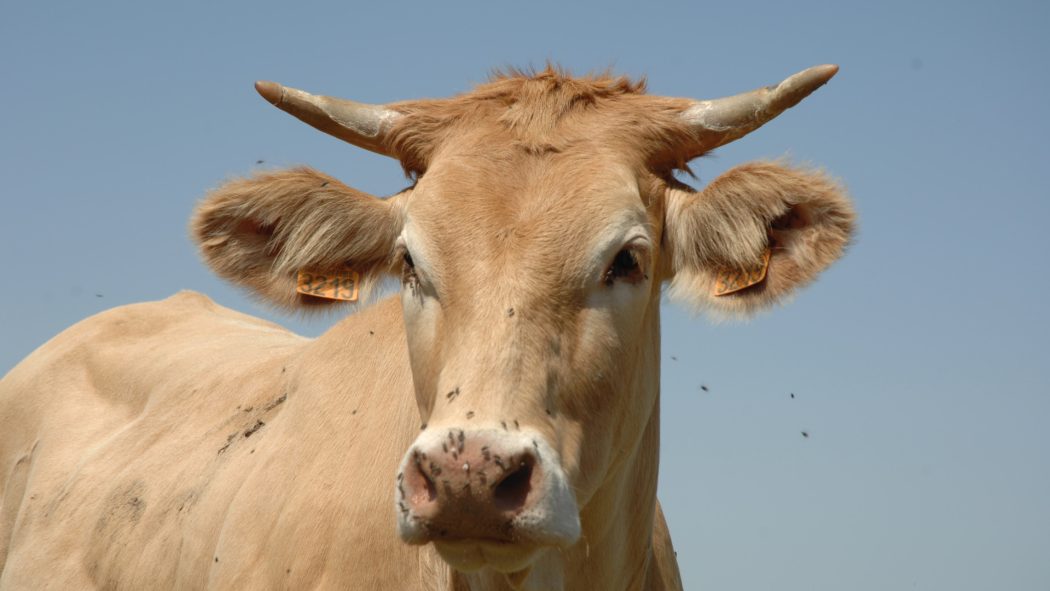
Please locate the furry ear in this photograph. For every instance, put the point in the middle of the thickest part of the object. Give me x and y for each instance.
(259, 232)
(802, 217)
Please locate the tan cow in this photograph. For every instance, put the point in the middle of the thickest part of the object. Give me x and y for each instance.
(501, 415)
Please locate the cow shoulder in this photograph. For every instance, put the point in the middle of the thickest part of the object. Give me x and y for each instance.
(80, 410)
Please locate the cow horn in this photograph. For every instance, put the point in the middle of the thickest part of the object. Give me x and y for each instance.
(720, 121)
(361, 124)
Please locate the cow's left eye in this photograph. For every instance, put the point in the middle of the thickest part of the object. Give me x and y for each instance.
(625, 267)
(408, 270)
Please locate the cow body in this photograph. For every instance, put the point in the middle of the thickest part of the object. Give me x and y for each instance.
(494, 427)
(253, 459)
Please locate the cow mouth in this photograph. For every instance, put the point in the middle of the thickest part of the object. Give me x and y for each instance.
(498, 555)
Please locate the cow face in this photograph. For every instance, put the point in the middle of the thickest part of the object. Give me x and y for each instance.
(531, 252)
(532, 357)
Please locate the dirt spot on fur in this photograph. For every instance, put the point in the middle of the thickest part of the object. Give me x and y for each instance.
(229, 440)
(254, 428)
(280, 400)
(123, 509)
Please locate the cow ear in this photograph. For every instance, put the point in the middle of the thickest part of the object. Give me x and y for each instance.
(270, 231)
(754, 235)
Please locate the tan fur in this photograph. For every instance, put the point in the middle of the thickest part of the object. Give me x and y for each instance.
(180, 445)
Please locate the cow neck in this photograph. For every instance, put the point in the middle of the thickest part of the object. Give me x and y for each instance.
(618, 521)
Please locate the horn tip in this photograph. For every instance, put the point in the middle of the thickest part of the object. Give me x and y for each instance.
(819, 75)
(271, 91)
(801, 84)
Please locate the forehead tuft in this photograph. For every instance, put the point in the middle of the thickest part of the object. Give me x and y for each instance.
(535, 113)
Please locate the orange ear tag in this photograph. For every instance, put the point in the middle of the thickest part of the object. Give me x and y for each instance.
(342, 286)
(733, 281)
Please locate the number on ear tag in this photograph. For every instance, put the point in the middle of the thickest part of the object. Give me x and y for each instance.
(341, 286)
(733, 281)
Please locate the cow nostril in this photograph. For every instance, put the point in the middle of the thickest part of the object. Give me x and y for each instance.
(431, 489)
(420, 484)
(511, 492)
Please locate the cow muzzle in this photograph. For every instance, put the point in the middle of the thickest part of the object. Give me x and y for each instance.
(484, 497)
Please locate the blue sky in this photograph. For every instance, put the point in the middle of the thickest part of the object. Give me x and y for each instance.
(919, 362)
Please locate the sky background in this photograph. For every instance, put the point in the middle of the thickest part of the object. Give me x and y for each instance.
(919, 362)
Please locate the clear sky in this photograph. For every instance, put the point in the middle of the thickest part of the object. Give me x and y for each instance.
(919, 362)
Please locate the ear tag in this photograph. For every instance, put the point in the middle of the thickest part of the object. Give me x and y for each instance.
(733, 281)
(342, 286)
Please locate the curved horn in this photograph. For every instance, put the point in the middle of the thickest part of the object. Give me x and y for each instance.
(718, 122)
(361, 124)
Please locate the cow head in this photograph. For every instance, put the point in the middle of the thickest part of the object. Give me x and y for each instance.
(532, 251)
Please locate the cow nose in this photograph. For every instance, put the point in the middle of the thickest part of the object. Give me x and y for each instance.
(470, 485)
(485, 485)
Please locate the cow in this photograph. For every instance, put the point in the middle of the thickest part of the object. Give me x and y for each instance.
(493, 425)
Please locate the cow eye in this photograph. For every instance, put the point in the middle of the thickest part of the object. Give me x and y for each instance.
(408, 269)
(625, 267)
